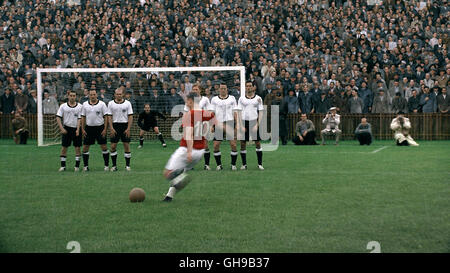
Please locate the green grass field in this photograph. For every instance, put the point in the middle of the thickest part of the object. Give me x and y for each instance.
(309, 199)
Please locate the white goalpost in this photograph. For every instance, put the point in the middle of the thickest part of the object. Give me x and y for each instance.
(57, 81)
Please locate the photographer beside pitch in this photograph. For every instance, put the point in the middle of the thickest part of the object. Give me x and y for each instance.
(401, 126)
(331, 121)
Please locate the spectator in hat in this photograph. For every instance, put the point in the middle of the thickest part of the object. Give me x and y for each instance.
(363, 132)
(20, 101)
(50, 104)
(414, 103)
(381, 103)
(292, 103)
(32, 102)
(331, 121)
(19, 128)
(366, 96)
(173, 100)
(399, 104)
(355, 103)
(428, 101)
(306, 101)
(322, 104)
(443, 101)
(7, 105)
(104, 96)
(394, 89)
(128, 97)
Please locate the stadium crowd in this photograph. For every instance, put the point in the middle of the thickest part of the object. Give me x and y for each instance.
(360, 56)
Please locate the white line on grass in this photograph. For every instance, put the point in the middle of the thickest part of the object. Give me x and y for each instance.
(379, 149)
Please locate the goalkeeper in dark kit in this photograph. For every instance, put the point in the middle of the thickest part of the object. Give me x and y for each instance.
(147, 120)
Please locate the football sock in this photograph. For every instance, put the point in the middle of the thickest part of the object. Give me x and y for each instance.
(175, 173)
(77, 161)
(217, 156)
(127, 159)
(259, 155)
(233, 157)
(106, 157)
(171, 192)
(244, 157)
(141, 141)
(86, 159)
(207, 156)
(114, 158)
(160, 137)
(63, 161)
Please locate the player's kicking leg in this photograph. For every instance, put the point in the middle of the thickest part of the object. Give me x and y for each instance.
(176, 170)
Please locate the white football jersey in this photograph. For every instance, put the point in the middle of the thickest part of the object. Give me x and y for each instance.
(69, 114)
(250, 107)
(94, 113)
(203, 104)
(120, 111)
(223, 108)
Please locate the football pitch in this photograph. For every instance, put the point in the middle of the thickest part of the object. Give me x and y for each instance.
(308, 199)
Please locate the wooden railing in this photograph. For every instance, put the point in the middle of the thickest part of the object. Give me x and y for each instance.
(424, 126)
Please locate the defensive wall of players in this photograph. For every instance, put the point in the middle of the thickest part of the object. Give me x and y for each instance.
(435, 126)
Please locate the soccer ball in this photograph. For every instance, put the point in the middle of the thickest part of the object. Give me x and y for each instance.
(137, 195)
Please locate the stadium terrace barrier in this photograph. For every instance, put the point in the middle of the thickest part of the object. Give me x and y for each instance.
(434, 126)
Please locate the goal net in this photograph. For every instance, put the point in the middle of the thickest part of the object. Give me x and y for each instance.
(162, 88)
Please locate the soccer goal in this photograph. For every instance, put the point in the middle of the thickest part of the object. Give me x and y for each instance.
(163, 88)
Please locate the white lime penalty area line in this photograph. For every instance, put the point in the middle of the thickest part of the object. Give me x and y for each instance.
(379, 149)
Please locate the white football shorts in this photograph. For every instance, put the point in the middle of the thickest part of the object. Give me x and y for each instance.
(178, 160)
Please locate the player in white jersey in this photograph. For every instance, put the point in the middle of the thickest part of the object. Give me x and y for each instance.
(94, 125)
(224, 106)
(68, 118)
(251, 107)
(120, 121)
(203, 104)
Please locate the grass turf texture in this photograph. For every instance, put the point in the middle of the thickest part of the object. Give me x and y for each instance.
(309, 199)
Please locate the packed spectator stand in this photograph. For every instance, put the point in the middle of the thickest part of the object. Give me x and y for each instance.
(396, 50)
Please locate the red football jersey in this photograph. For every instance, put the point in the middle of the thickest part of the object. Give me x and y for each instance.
(195, 119)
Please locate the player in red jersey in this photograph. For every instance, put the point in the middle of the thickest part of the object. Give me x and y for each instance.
(192, 146)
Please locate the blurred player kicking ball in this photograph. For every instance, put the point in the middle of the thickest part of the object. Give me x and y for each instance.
(203, 104)
(147, 121)
(192, 146)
